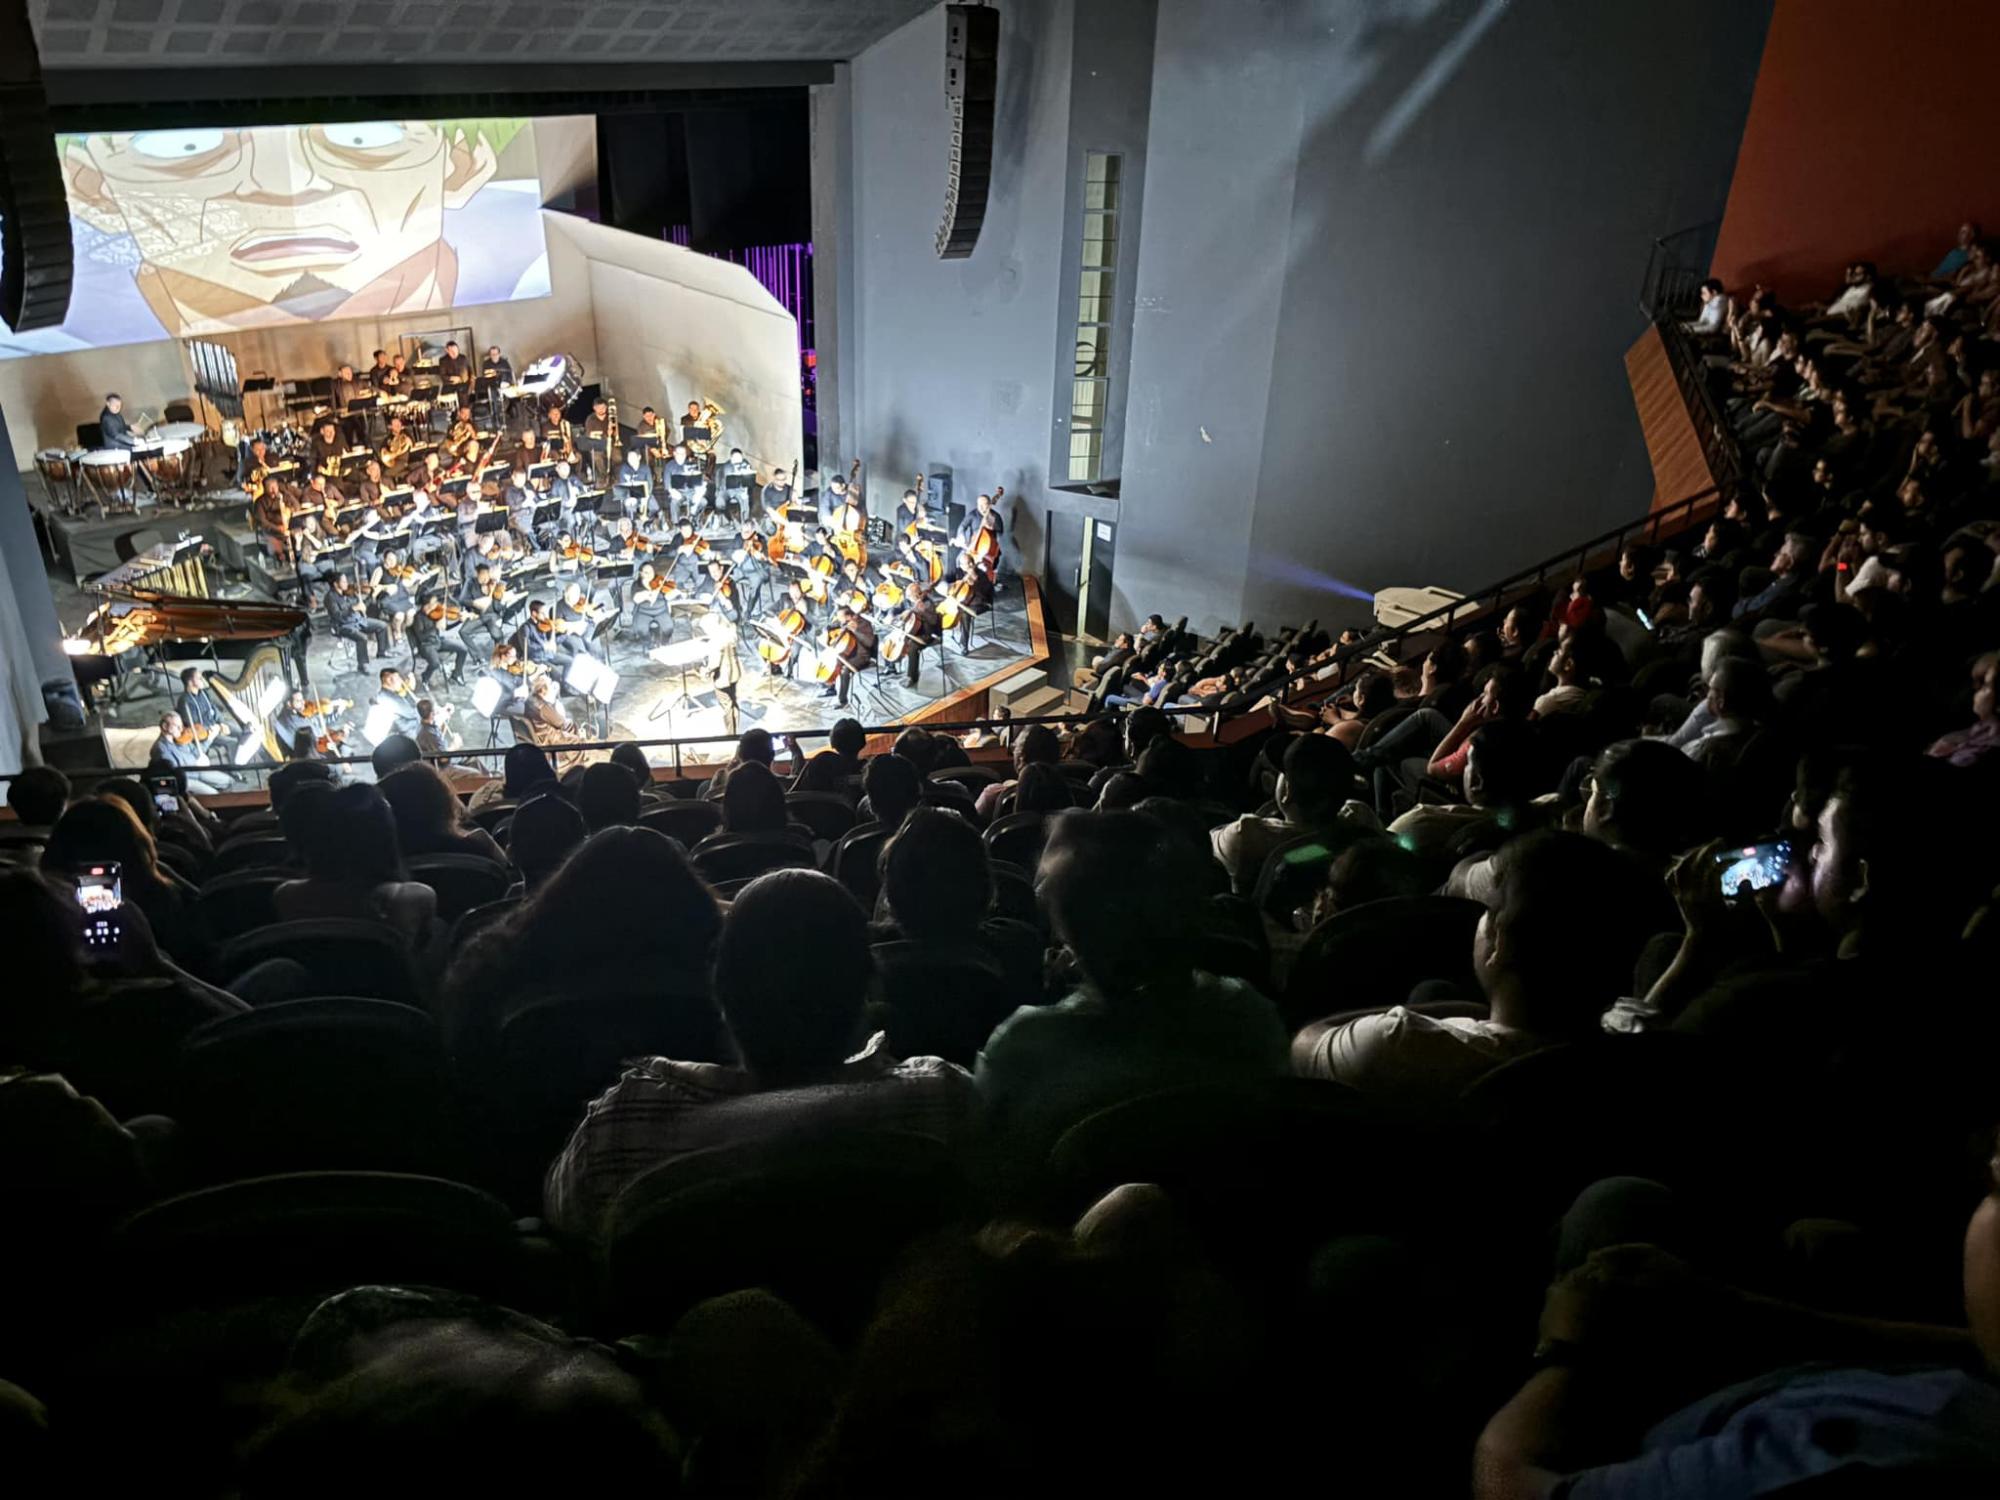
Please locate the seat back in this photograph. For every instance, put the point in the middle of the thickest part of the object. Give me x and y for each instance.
(816, 1218)
(251, 851)
(853, 862)
(827, 814)
(1014, 893)
(343, 956)
(974, 777)
(739, 856)
(493, 814)
(232, 904)
(690, 820)
(479, 917)
(334, 1083)
(1373, 955)
(1018, 838)
(312, 1232)
(461, 881)
(939, 1003)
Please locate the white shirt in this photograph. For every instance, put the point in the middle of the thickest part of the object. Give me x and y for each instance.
(1407, 1053)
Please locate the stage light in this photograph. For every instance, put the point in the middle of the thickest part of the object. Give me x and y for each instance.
(486, 697)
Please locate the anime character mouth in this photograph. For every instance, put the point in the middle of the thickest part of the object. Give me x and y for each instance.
(286, 249)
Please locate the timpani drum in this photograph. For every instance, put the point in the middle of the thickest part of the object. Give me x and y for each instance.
(170, 463)
(59, 468)
(559, 377)
(108, 476)
(187, 432)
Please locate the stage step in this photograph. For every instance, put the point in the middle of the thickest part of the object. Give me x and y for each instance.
(1009, 693)
(1043, 700)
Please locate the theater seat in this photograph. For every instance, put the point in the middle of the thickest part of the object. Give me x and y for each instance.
(827, 814)
(462, 881)
(255, 851)
(690, 821)
(1371, 956)
(343, 957)
(1018, 838)
(740, 856)
(333, 1083)
(229, 905)
(853, 862)
(939, 1003)
(815, 1220)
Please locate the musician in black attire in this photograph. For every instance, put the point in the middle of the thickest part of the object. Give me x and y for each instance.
(724, 597)
(455, 371)
(494, 372)
(379, 370)
(327, 448)
(859, 656)
(597, 441)
(691, 475)
(197, 705)
(346, 391)
(111, 423)
(579, 619)
(482, 610)
(547, 643)
(920, 622)
(395, 695)
(978, 597)
(649, 605)
(427, 637)
(343, 608)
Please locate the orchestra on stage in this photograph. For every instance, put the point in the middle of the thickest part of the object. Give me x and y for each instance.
(455, 527)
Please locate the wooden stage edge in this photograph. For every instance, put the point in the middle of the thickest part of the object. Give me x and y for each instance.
(1673, 441)
(969, 702)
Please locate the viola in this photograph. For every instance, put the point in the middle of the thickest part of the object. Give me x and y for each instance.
(191, 733)
(328, 706)
(331, 741)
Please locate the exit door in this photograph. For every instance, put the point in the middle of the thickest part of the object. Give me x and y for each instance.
(1076, 574)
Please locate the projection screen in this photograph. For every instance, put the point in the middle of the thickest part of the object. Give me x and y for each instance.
(193, 232)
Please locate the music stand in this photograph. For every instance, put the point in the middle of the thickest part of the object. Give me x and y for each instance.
(682, 655)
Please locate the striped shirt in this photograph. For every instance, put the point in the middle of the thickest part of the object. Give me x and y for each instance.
(661, 1110)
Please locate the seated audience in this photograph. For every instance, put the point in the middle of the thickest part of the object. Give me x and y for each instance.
(1317, 780)
(354, 867)
(1553, 952)
(607, 796)
(105, 830)
(791, 973)
(38, 795)
(544, 832)
(429, 817)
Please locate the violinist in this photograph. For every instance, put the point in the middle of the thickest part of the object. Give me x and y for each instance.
(580, 618)
(437, 626)
(545, 640)
(389, 586)
(722, 596)
(651, 591)
(180, 747)
(308, 717)
(425, 539)
(690, 555)
(203, 709)
(851, 640)
(505, 667)
(343, 608)
(395, 695)
(480, 595)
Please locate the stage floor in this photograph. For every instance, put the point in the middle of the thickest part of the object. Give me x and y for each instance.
(645, 705)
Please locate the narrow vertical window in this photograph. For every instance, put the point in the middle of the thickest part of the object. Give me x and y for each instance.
(1097, 267)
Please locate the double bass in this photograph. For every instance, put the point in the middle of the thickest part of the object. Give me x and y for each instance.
(985, 548)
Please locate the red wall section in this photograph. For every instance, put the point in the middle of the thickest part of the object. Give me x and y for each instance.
(1872, 134)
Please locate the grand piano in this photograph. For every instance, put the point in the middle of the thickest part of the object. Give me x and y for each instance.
(156, 603)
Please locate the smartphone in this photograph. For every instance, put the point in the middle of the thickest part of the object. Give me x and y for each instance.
(164, 801)
(1754, 867)
(100, 896)
(1644, 618)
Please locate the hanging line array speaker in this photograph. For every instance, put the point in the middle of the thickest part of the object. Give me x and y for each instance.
(36, 261)
(971, 70)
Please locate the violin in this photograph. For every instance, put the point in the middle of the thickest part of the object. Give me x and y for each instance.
(328, 706)
(573, 552)
(331, 741)
(443, 612)
(193, 733)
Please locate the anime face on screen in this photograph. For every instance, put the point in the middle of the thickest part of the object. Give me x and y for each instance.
(230, 229)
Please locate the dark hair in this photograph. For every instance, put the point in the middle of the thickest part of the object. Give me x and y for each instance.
(1121, 790)
(1319, 776)
(824, 771)
(846, 737)
(754, 747)
(1098, 743)
(543, 832)
(1373, 692)
(1504, 753)
(1376, 869)
(1122, 895)
(1169, 767)
(188, 675)
(427, 811)
(753, 800)
(395, 752)
(936, 875)
(633, 759)
(916, 747)
(1447, 660)
(525, 770)
(98, 829)
(1570, 915)
(791, 974)
(607, 796)
(135, 796)
(284, 782)
(632, 890)
(894, 786)
(352, 839)
(38, 931)
(1658, 797)
(1042, 788)
(1038, 744)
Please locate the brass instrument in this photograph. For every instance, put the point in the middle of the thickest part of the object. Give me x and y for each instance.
(703, 447)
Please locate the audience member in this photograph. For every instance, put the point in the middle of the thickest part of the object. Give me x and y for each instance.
(429, 817)
(38, 794)
(354, 867)
(543, 833)
(608, 797)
